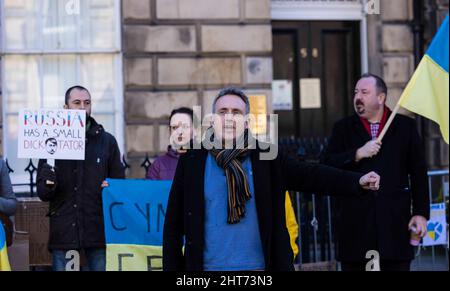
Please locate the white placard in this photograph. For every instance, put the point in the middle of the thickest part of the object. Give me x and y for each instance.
(52, 134)
(282, 94)
(310, 94)
(437, 226)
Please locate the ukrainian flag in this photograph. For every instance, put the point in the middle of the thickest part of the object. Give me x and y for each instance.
(4, 263)
(427, 93)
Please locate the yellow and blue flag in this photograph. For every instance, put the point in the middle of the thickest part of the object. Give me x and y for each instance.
(291, 224)
(134, 212)
(4, 262)
(427, 93)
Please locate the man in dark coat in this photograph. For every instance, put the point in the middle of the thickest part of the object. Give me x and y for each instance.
(74, 189)
(8, 201)
(382, 220)
(228, 205)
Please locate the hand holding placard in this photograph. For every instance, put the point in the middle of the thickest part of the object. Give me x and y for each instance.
(48, 174)
(51, 163)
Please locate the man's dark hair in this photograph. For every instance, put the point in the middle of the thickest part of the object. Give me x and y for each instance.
(52, 140)
(236, 92)
(78, 87)
(379, 83)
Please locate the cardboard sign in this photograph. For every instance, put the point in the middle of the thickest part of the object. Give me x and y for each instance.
(52, 134)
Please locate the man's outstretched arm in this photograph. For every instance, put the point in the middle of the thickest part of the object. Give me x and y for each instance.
(320, 179)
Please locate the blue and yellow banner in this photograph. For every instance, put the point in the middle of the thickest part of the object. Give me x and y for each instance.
(134, 212)
(427, 93)
(4, 262)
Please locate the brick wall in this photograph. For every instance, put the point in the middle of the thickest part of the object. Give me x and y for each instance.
(180, 53)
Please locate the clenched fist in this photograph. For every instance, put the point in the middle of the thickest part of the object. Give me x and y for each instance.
(370, 181)
(369, 150)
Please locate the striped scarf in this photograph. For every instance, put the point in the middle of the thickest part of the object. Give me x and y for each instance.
(237, 183)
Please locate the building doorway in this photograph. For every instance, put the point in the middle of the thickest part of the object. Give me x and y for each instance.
(320, 60)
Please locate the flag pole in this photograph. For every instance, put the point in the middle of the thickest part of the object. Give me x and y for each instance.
(388, 123)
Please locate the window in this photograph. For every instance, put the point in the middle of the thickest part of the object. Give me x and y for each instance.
(50, 25)
(50, 45)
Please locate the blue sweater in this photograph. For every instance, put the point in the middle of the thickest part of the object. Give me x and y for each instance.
(229, 247)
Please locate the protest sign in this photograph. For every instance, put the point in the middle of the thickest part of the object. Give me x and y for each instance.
(52, 134)
(134, 212)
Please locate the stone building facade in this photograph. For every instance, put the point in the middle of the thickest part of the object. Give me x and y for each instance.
(204, 45)
(181, 52)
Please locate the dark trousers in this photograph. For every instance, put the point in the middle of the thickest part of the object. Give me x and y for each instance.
(389, 266)
(96, 259)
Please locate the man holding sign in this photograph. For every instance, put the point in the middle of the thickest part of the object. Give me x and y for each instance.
(383, 220)
(73, 187)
